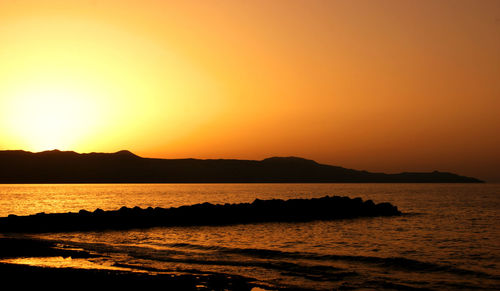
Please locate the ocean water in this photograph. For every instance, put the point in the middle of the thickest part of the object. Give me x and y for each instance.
(447, 238)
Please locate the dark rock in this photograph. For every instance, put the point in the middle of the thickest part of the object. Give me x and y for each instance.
(325, 208)
(124, 209)
(99, 211)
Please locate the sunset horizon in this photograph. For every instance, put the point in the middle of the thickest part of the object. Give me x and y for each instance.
(250, 145)
(382, 87)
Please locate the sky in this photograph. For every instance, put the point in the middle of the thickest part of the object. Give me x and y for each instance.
(383, 86)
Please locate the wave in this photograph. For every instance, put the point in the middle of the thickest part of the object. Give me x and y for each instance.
(399, 263)
(298, 263)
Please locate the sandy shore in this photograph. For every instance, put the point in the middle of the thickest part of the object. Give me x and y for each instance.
(21, 275)
(30, 276)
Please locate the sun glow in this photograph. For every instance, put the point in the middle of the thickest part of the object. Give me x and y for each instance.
(383, 88)
(51, 117)
(85, 84)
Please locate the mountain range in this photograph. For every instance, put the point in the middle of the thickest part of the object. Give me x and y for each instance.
(125, 167)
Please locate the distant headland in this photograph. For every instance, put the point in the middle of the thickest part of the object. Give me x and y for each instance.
(125, 167)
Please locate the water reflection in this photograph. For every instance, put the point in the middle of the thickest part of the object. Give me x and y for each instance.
(61, 262)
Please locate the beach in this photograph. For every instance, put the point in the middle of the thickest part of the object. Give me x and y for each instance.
(250, 145)
(47, 262)
(446, 237)
(59, 278)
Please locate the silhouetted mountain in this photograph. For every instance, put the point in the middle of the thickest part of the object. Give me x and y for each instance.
(125, 167)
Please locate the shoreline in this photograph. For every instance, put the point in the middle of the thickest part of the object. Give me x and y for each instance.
(20, 274)
(25, 259)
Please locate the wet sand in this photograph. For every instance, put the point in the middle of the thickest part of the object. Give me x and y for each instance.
(20, 275)
(68, 278)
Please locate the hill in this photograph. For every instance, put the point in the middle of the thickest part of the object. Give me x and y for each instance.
(125, 167)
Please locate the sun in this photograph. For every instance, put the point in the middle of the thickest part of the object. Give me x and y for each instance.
(51, 117)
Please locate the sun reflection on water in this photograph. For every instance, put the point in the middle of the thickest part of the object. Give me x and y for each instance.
(62, 262)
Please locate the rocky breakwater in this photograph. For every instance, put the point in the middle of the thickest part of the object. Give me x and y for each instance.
(276, 210)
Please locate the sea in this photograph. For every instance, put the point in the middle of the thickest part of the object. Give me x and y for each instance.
(447, 238)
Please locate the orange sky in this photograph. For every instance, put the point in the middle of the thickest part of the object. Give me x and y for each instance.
(377, 85)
